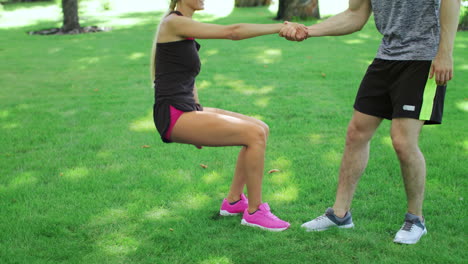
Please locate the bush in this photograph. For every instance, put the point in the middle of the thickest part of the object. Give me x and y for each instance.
(463, 24)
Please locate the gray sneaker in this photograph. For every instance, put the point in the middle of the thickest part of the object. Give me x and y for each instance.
(329, 219)
(411, 231)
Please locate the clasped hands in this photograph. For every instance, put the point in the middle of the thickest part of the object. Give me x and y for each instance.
(294, 31)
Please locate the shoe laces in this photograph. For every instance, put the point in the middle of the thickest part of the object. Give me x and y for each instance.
(322, 217)
(407, 226)
(272, 216)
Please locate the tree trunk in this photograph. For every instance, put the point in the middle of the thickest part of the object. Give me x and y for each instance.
(298, 8)
(281, 8)
(70, 15)
(248, 3)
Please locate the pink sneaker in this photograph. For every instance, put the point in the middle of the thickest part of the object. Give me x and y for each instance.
(264, 219)
(235, 209)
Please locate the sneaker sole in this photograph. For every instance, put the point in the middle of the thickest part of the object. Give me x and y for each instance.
(410, 242)
(226, 213)
(326, 228)
(243, 222)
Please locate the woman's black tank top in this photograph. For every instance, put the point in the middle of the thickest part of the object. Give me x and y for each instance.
(177, 65)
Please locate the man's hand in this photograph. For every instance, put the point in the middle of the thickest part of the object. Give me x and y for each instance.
(442, 69)
(442, 65)
(294, 31)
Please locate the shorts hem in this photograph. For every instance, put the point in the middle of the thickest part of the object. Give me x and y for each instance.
(371, 113)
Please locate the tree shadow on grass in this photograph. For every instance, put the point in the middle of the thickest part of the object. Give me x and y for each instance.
(10, 6)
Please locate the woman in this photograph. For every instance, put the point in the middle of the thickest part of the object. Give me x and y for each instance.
(180, 118)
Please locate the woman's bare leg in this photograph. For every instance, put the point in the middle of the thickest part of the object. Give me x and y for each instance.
(213, 129)
(239, 180)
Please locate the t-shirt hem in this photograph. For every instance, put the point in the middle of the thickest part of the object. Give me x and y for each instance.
(404, 58)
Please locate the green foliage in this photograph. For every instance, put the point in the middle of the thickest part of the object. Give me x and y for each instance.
(106, 5)
(25, 1)
(464, 16)
(76, 185)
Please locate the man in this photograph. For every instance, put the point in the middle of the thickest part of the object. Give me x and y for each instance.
(418, 38)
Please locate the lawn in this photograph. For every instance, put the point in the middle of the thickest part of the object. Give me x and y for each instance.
(84, 177)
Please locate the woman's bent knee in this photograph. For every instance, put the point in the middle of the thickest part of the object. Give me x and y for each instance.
(256, 135)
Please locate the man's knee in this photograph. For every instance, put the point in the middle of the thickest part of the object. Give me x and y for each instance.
(403, 147)
(405, 134)
(357, 134)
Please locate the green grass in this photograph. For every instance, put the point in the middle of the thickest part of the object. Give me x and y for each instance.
(76, 186)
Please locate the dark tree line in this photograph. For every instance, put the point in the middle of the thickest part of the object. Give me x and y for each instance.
(248, 3)
(71, 22)
(287, 8)
(297, 8)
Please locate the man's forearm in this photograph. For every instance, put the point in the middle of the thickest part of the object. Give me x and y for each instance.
(442, 65)
(449, 13)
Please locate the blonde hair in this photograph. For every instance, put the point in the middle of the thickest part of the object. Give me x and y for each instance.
(172, 7)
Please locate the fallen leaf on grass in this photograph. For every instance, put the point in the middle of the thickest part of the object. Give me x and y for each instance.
(204, 166)
(170, 229)
(145, 146)
(274, 170)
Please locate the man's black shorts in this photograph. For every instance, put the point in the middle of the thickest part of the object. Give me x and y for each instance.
(400, 89)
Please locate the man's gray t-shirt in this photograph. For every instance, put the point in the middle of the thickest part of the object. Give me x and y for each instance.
(410, 28)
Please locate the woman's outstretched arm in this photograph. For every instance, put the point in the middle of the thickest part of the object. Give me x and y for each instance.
(188, 28)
